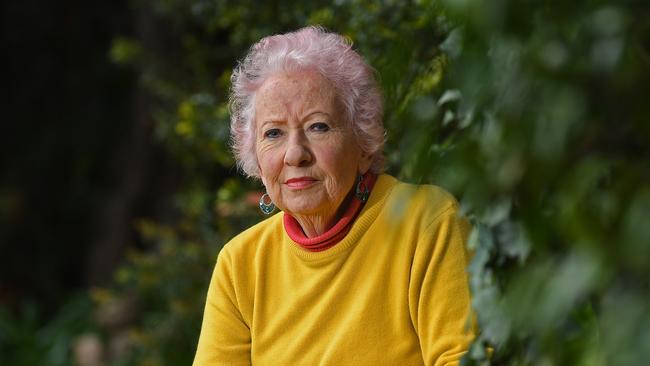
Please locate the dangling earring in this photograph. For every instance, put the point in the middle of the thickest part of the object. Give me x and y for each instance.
(361, 191)
(266, 208)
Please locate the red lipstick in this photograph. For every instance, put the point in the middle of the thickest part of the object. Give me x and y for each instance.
(300, 182)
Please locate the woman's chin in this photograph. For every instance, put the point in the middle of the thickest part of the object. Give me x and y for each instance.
(304, 208)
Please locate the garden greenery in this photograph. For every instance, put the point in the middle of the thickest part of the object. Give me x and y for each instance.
(533, 113)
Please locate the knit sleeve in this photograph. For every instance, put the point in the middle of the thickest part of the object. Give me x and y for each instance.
(439, 297)
(225, 337)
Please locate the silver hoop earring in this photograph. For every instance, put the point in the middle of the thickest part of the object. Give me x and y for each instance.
(267, 208)
(361, 191)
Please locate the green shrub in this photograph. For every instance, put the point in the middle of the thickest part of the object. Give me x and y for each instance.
(532, 113)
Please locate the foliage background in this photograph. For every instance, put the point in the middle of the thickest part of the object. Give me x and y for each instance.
(533, 113)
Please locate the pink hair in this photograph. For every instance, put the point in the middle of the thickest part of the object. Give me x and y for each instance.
(309, 48)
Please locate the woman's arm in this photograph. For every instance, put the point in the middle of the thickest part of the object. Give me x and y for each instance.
(439, 294)
(225, 337)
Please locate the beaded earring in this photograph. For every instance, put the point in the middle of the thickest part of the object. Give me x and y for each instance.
(267, 208)
(361, 191)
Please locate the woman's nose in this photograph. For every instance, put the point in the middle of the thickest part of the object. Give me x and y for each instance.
(297, 153)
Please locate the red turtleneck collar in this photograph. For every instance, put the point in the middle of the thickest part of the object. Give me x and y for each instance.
(337, 232)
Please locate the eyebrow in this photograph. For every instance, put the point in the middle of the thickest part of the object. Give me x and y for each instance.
(282, 121)
(316, 112)
(271, 121)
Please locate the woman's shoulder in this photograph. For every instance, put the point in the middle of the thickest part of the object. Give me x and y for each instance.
(426, 201)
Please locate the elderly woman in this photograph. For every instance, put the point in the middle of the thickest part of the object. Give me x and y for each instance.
(357, 268)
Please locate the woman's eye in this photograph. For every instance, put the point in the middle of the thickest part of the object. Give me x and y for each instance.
(320, 127)
(272, 133)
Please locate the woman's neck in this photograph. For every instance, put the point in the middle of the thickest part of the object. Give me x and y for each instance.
(316, 238)
(313, 225)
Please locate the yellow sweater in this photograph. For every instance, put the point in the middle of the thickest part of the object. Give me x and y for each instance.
(393, 292)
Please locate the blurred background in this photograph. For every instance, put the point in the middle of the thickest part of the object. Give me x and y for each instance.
(117, 186)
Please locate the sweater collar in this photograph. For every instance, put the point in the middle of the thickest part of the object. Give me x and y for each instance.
(337, 232)
(364, 221)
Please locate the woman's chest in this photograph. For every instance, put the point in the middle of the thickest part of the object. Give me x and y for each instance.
(351, 312)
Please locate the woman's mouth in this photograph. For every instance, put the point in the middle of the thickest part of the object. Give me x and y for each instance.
(300, 182)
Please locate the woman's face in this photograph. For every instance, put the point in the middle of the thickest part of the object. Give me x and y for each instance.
(308, 156)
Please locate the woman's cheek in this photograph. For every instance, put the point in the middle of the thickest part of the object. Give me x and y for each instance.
(269, 164)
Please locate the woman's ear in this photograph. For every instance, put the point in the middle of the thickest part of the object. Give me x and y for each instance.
(263, 181)
(259, 173)
(365, 162)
